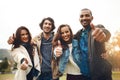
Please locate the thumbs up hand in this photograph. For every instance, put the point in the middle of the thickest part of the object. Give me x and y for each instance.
(58, 49)
(11, 39)
(24, 65)
(97, 33)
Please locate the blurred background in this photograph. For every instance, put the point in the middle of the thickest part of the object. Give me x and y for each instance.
(29, 13)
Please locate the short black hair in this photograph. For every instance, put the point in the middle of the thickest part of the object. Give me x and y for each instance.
(87, 9)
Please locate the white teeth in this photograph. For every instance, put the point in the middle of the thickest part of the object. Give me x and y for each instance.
(84, 21)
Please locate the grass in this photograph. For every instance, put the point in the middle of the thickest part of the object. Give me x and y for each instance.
(115, 75)
(6, 76)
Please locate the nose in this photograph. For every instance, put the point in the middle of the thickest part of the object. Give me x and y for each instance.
(65, 34)
(47, 24)
(25, 35)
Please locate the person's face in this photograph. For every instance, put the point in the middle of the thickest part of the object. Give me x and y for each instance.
(65, 34)
(85, 18)
(47, 26)
(24, 36)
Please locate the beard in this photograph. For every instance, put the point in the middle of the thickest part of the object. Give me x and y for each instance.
(47, 32)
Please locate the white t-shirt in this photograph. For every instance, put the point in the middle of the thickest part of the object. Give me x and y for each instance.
(71, 67)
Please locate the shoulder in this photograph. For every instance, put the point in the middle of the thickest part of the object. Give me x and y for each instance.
(37, 37)
(75, 42)
(19, 48)
(77, 35)
(16, 50)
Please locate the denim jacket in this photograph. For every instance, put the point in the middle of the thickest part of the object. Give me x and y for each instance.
(59, 65)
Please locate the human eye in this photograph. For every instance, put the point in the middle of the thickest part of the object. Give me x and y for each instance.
(45, 23)
(81, 16)
(87, 15)
(62, 32)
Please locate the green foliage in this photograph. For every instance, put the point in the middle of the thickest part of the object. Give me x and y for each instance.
(4, 66)
(5, 63)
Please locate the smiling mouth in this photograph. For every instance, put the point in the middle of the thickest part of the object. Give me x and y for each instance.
(85, 22)
(66, 38)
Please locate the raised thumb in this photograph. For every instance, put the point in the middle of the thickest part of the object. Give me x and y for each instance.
(13, 36)
(59, 43)
(26, 61)
(92, 26)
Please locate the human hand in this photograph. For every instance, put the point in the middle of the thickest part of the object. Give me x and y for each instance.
(33, 42)
(11, 39)
(97, 33)
(104, 55)
(24, 65)
(58, 49)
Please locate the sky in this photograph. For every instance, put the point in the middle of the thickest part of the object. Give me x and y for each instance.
(29, 13)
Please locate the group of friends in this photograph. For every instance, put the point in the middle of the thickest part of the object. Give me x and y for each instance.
(47, 56)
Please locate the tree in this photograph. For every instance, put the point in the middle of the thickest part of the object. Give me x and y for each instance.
(4, 65)
(113, 48)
